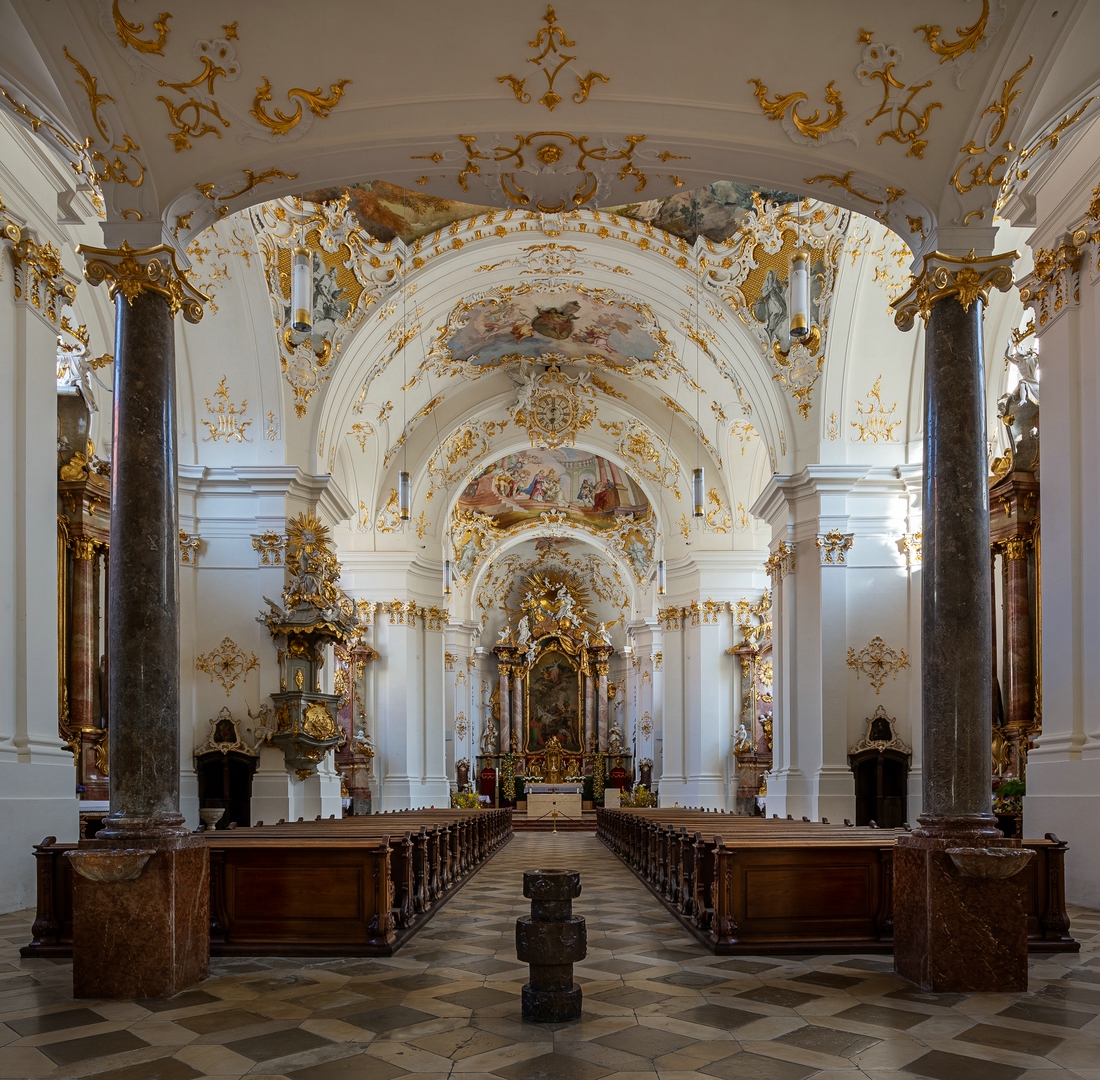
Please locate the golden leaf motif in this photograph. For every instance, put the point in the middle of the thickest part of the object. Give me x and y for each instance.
(128, 32)
(281, 122)
(812, 127)
(969, 37)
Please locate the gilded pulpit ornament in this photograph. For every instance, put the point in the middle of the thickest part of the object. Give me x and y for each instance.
(877, 661)
(317, 613)
(133, 271)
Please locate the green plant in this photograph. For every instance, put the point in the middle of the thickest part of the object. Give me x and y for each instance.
(508, 777)
(464, 800)
(1012, 787)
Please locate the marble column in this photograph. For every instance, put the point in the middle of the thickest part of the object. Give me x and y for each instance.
(505, 708)
(1019, 677)
(589, 711)
(143, 935)
(82, 642)
(601, 704)
(517, 709)
(956, 932)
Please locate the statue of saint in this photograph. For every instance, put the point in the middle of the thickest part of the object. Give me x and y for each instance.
(614, 742)
(523, 631)
(489, 737)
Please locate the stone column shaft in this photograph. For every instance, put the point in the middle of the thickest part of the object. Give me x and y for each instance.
(505, 711)
(1019, 693)
(956, 617)
(144, 692)
(517, 711)
(601, 700)
(82, 643)
(589, 711)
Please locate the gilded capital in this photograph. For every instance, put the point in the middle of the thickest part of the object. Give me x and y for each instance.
(965, 278)
(134, 271)
(40, 279)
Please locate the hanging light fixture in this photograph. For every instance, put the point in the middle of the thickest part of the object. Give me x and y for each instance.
(662, 583)
(799, 294)
(697, 486)
(446, 579)
(301, 288)
(404, 494)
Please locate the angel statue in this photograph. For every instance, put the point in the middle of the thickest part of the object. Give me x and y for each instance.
(505, 633)
(489, 738)
(741, 739)
(565, 603)
(1026, 362)
(603, 632)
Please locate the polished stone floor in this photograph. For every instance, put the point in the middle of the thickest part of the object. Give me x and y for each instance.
(655, 1005)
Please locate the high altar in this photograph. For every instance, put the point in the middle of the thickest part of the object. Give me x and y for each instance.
(553, 693)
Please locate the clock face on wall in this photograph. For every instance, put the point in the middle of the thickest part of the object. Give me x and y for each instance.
(553, 412)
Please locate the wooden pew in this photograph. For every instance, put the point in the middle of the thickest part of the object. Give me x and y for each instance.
(336, 887)
(753, 885)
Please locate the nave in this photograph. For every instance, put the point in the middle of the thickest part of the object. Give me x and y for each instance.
(656, 1004)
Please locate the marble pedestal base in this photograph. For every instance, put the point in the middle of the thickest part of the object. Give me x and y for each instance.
(146, 938)
(956, 934)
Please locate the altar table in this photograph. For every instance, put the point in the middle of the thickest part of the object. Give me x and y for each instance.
(543, 799)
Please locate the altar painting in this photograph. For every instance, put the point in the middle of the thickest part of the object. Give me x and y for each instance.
(553, 703)
(587, 488)
(546, 326)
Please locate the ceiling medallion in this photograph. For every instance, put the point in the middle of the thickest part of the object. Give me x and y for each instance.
(554, 407)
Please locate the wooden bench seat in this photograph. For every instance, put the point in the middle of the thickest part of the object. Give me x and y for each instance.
(745, 884)
(334, 887)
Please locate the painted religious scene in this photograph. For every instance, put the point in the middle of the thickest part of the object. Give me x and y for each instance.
(554, 707)
(587, 488)
(526, 323)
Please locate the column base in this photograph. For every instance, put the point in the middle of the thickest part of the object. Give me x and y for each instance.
(143, 938)
(956, 934)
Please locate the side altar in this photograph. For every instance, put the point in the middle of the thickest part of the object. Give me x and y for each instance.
(554, 716)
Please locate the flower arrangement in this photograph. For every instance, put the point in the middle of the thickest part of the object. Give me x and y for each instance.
(640, 796)
(599, 778)
(465, 800)
(1009, 798)
(508, 777)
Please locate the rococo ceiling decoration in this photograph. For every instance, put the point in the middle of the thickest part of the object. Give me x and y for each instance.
(554, 407)
(351, 274)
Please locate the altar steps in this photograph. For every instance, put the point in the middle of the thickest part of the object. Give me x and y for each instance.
(586, 823)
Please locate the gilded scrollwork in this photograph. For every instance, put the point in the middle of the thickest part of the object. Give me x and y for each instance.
(875, 423)
(646, 452)
(228, 663)
(227, 422)
(877, 661)
(809, 127)
(132, 272)
(130, 33)
(283, 123)
(965, 279)
(450, 463)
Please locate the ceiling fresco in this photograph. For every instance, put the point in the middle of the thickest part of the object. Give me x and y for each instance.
(584, 487)
(388, 211)
(525, 323)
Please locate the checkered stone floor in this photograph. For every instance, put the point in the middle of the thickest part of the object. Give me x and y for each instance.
(655, 1005)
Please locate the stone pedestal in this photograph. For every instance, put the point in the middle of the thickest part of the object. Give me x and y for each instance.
(148, 937)
(551, 940)
(953, 933)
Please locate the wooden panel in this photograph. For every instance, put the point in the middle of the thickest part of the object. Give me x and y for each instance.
(807, 891)
(296, 892)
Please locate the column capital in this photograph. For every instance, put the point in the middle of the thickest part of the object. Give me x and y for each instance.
(40, 279)
(1054, 283)
(834, 546)
(136, 270)
(965, 278)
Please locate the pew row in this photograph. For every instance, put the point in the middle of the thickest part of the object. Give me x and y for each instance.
(353, 887)
(741, 884)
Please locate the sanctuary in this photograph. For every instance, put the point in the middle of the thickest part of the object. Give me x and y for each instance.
(564, 421)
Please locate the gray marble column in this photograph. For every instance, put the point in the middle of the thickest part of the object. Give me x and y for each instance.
(143, 604)
(956, 607)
